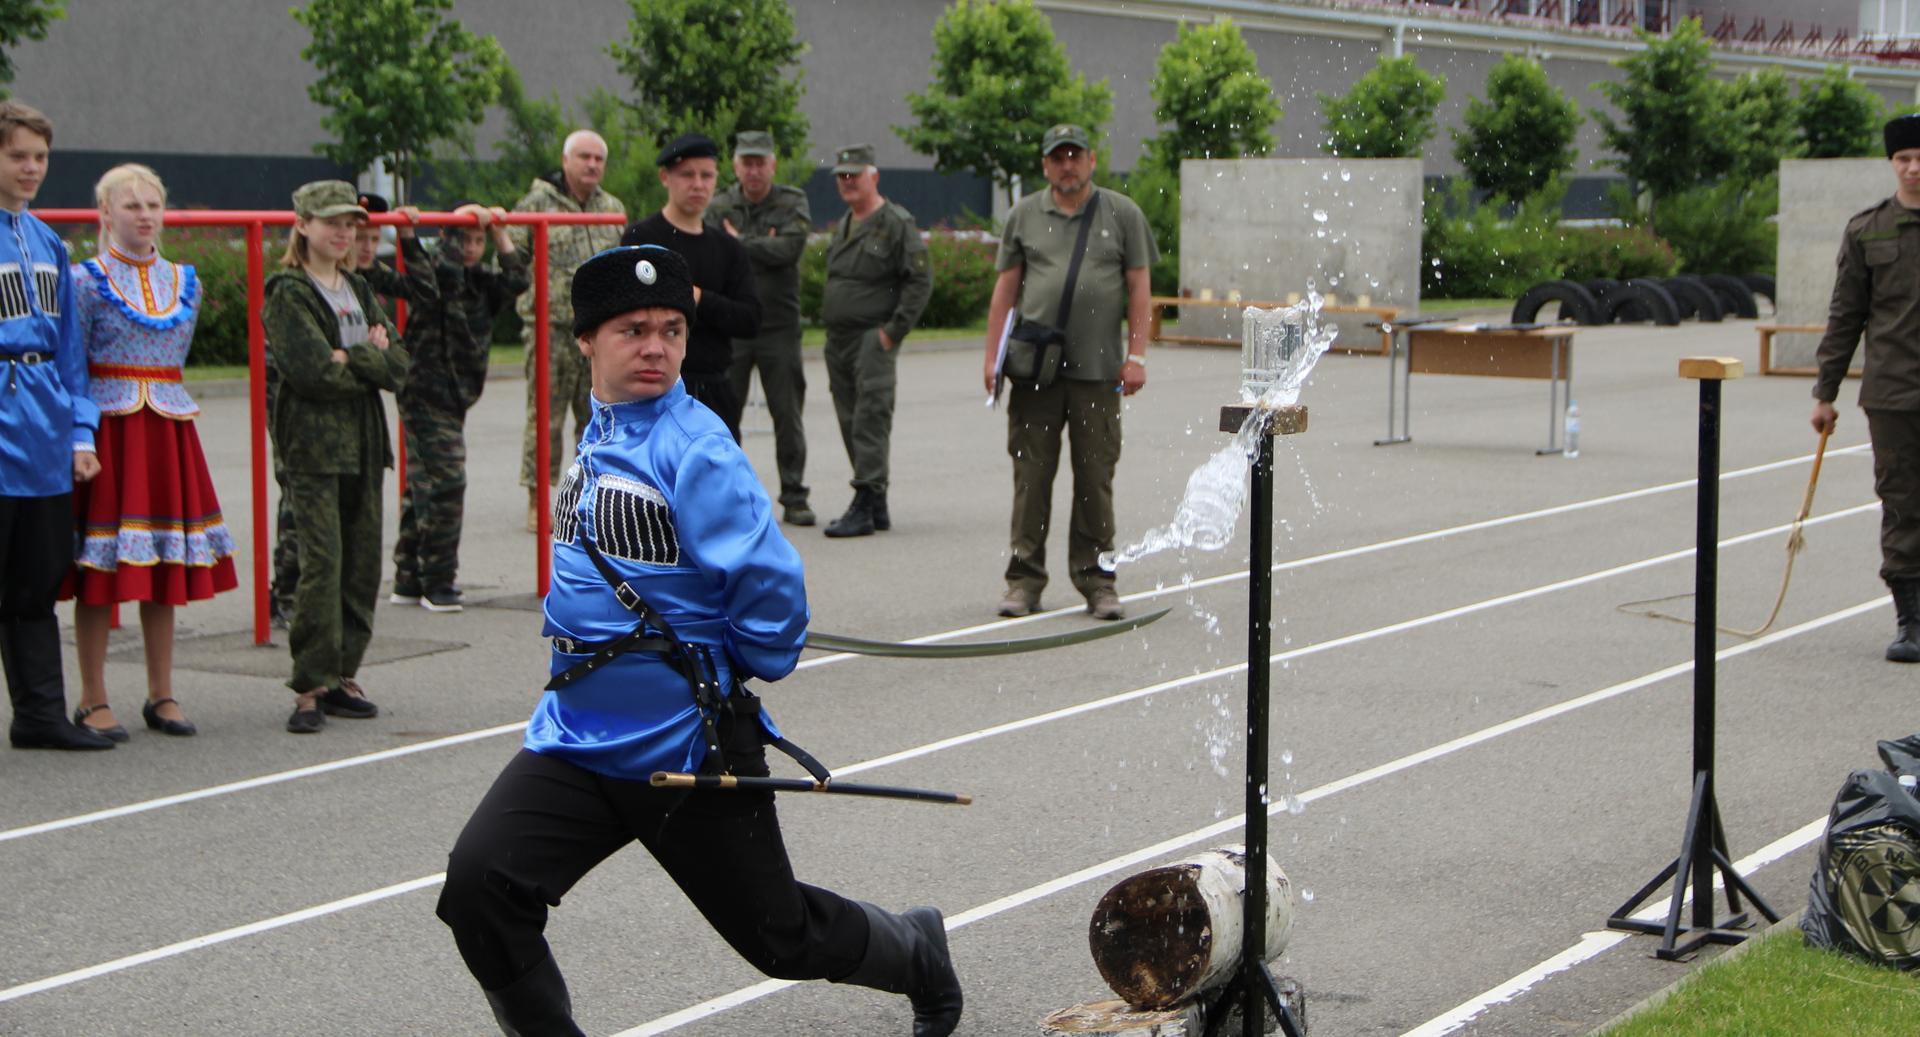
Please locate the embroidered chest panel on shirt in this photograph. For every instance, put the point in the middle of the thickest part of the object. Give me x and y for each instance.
(631, 520)
(152, 287)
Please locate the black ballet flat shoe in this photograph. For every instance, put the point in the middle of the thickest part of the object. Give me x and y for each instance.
(117, 732)
(156, 722)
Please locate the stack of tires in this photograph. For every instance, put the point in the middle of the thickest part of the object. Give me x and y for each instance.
(1645, 300)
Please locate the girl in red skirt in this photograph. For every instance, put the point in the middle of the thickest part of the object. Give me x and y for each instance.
(150, 525)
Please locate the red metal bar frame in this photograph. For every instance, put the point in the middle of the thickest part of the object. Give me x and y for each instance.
(255, 222)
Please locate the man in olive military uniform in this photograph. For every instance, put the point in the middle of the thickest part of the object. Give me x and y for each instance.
(574, 188)
(772, 221)
(1877, 289)
(878, 282)
(1098, 366)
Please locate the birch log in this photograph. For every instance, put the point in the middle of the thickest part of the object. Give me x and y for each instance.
(1171, 932)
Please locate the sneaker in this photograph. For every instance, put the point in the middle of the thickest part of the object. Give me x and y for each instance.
(1104, 603)
(405, 592)
(441, 599)
(277, 614)
(1019, 601)
(347, 700)
(798, 515)
(305, 721)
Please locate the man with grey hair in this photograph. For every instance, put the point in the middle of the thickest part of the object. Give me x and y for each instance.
(575, 187)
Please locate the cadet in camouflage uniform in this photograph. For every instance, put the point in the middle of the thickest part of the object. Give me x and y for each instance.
(447, 341)
(417, 288)
(772, 221)
(878, 282)
(335, 350)
(1877, 290)
(574, 188)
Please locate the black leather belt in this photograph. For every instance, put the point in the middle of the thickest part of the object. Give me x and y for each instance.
(29, 357)
(576, 646)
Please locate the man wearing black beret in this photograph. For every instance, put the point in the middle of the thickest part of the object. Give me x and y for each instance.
(726, 305)
(661, 503)
(1877, 290)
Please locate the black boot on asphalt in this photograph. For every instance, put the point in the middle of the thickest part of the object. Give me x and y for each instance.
(907, 954)
(858, 520)
(1906, 609)
(877, 503)
(536, 1004)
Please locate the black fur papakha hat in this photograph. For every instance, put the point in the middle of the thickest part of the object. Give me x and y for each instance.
(1903, 133)
(626, 278)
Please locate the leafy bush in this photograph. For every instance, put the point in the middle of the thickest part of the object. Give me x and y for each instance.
(963, 277)
(1521, 135)
(1387, 114)
(1722, 228)
(1468, 251)
(1839, 117)
(1614, 253)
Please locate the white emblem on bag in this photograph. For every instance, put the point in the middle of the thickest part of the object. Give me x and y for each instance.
(644, 271)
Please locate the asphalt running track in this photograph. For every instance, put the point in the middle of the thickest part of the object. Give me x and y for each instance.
(1476, 755)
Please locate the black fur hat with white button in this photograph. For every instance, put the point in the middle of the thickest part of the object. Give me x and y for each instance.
(630, 277)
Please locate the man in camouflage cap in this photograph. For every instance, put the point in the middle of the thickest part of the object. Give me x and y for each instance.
(772, 221)
(574, 187)
(878, 282)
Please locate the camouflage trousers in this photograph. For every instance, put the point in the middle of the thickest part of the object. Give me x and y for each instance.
(568, 383)
(783, 382)
(339, 552)
(860, 376)
(286, 553)
(427, 555)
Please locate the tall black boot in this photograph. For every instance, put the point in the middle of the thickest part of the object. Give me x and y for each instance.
(30, 654)
(858, 520)
(1906, 609)
(907, 954)
(536, 1004)
(877, 503)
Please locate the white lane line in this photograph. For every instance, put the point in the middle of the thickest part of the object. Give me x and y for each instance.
(224, 935)
(276, 778)
(994, 907)
(1593, 944)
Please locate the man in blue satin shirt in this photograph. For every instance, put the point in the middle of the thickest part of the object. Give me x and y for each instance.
(47, 423)
(668, 503)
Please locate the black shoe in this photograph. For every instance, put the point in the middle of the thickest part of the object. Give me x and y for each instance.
(536, 1003)
(858, 520)
(156, 722)
(797, 515)
(59, 735)
(347, 700)
(442, 599)
(877, 503)
(907, 954)
(1906, 608)
(117, 732)
(277, 614)
(405, 591)
(305, 721)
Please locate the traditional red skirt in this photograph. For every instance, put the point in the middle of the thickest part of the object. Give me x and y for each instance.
(150, 524)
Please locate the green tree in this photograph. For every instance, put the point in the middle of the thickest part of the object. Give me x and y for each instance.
(1000, 79)
(1839, 117)
(24, 20)
(1761, 124)
(1521, 135)
(1671, 133)
(712, 66)
(397, 77)
(1387, 114)
(529, 148)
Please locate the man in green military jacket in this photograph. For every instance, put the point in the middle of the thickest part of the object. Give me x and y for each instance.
(772, 221)
(1877, 290)
(878, 282)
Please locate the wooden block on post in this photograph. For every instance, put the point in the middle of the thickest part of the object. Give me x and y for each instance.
(1711, 368)
(1287, 421)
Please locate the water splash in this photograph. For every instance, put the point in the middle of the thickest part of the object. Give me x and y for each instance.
(1283, 346)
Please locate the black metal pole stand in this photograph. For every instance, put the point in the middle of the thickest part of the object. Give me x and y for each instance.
(1254, 988)
(1703, 847)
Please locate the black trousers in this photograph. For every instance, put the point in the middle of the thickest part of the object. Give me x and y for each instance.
(715, 389)
(1896, 480)
(545, 823)
(36, 550)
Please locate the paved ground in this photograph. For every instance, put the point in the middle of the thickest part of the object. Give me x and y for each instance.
(1486, 756)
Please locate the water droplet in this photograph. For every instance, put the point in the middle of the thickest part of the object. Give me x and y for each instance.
(1319, 215)
(1306, 896)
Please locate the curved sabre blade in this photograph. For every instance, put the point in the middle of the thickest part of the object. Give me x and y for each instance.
(972, 649)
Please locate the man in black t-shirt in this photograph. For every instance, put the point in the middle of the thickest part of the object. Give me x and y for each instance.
(725, 303)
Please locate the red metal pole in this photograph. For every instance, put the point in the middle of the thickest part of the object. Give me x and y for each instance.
(399, 421)
(542, 385)
(257, 424)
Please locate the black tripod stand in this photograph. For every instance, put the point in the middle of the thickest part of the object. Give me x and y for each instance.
(1254, 987)
(1703, 849)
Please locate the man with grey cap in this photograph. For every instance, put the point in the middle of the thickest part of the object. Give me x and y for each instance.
(1073, 260)
(879, 279)
(1876, 290)
(772, 221)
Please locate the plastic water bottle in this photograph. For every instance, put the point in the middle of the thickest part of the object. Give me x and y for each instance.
(1572, 441)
